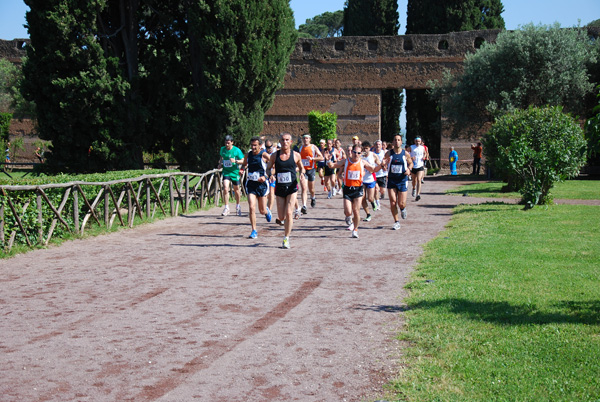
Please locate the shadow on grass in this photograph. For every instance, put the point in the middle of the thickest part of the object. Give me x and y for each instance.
(512, 314)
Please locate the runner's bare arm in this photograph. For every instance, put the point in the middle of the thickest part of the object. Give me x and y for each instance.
(409, 164)
(298, 160)
(319, 156)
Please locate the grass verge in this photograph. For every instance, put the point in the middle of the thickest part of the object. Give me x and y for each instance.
(570, 190)
(505, 306)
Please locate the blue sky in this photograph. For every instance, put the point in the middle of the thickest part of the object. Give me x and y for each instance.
(517, 12)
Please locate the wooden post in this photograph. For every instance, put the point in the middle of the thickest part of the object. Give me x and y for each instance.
(40, 220)
(129, 208)
(2, 225)
(148, 198)
(106, 206)
(171, 196)
(186, 178)
(75, 209)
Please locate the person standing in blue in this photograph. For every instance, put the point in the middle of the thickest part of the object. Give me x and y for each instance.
(257, 184)
(286, 161)
(231, 156)
(398, 165)
(453, 158)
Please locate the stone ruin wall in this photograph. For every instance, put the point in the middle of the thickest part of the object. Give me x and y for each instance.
(345, 75)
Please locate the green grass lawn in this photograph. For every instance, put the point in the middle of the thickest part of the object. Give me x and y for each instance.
(571, 189)
(505, 306)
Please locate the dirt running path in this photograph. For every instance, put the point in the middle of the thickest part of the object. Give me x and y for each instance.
(189, 308)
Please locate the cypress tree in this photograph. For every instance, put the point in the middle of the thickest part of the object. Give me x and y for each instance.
(74, 86)
(238, 56)
(375, 18)
(435, 17)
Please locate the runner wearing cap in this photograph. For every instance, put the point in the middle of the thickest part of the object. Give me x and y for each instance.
(354, 171)
(310, 156)
(270, 149)
(231, 156)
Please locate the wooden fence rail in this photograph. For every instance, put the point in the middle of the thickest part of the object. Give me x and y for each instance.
(115, 200)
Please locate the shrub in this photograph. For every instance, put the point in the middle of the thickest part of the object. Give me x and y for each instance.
(534, 148)
(322, 125)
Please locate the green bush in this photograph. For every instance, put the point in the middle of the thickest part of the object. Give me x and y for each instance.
(533, 149)
(5, 119)
(322, 125)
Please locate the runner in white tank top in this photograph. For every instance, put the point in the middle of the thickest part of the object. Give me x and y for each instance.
(417, 153)
(380, 175)
(369, 181)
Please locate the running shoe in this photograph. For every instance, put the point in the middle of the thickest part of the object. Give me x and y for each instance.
(286, 243)
(348, 220)
(403, 213)
(279, 222)
(374, 205)
(238, 210)
(396, 225)
(378, 205)
(313, 202)
(382, 196)
(322, 181)
(225, 211)
(297, 214)
(418, 198)
(269, 216)
(304, 210)
(253, 235)
(414, 192)
(351, 227)
(355, 234)
(368, 218)
(329, 195)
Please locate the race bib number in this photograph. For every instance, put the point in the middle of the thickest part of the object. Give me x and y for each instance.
(254, 176)
(353, 175)
(227, 163)
(396, 169)
(305, 162)
(285, 177)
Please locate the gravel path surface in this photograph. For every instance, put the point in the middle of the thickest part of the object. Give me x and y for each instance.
(189, 308)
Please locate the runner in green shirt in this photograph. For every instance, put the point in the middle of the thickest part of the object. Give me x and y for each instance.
(231, 157)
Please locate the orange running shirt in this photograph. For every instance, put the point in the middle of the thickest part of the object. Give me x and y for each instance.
(353, 173)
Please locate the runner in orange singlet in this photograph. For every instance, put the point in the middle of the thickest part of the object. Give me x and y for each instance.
(354, 170)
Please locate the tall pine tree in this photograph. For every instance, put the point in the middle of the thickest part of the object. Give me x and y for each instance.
(377, 18)
(435, 17)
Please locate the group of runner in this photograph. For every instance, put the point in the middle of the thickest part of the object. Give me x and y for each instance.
(273, 174)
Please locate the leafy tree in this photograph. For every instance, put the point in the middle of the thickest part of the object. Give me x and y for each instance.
(322, 125)
(375, 18)
(534, 149)
(8, 78)
(239, 52)
(436, 17)
(595, 23)
(120, 77)
(326, 25)
(592, 131)
(536, 65)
